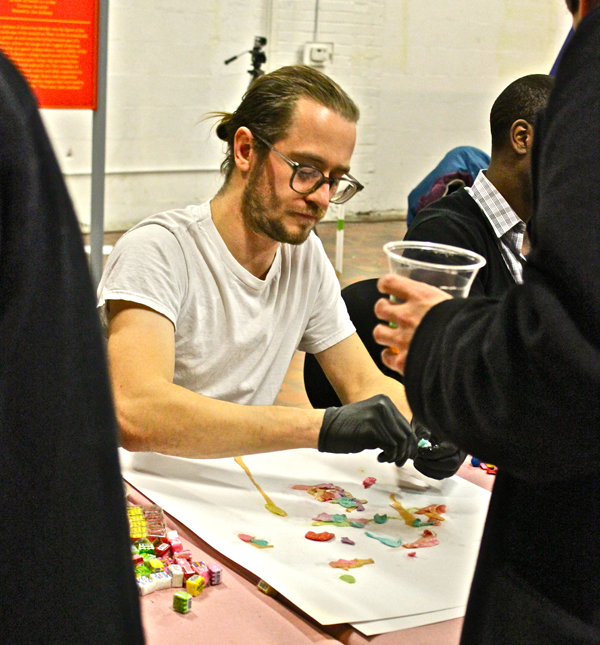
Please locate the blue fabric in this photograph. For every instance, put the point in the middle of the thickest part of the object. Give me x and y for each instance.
(462, 159)
(560, 53)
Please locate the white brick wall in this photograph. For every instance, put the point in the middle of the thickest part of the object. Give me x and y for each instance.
(423, 72)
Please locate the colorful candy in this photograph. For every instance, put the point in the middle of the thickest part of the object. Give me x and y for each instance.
(182, 602)
(194, 585)
(216, 572)
(176, 574)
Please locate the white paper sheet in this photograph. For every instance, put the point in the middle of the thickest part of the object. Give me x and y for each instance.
(373, 627)
(217, 500)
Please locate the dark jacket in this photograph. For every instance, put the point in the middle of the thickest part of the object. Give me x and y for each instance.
(457, 220)
(517, 383)
(66, 553)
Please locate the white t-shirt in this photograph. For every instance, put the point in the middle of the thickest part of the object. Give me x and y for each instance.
(235, 334)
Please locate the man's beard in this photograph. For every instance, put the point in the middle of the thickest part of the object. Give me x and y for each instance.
(259, 200)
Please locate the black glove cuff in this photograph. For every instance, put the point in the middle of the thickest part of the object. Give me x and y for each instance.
(330, 414)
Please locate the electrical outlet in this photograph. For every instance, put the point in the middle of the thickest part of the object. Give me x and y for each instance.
(318, 54)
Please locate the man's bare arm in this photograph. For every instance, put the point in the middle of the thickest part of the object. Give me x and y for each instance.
(355, 377)
(156, 415)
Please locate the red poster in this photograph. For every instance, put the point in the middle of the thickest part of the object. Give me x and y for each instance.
(55, 44)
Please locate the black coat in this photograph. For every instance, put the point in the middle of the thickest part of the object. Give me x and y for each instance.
(68, 575)
(517, 383)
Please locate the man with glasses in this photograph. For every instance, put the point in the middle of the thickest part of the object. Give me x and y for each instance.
(206, 306)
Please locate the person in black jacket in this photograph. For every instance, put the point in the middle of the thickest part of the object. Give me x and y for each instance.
(66, 556)
(517, 381)
(489, 218)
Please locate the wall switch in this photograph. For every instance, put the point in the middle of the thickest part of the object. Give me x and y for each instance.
(318, 54)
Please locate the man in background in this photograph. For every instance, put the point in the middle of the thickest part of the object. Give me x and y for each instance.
(517, 382)
(490, 217)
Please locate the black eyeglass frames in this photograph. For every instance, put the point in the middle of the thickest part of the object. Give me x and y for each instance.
(307, 179)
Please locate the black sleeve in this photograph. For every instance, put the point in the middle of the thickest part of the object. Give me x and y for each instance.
(61, 493)
(446, 229)
(517, 382)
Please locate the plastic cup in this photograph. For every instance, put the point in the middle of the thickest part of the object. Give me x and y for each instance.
(448, 268)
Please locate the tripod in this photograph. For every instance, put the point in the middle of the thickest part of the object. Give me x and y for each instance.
(258, 58)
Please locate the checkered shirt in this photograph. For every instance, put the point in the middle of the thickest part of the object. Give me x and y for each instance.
(507, 225)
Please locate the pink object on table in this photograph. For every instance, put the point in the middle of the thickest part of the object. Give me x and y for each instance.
(369, 481)
(216, 573)
(428, 539)
(202, 570)
(176, 545)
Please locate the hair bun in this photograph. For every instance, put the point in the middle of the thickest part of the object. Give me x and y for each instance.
(223, 128)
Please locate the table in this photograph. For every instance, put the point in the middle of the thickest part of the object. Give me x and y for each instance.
(237, 612)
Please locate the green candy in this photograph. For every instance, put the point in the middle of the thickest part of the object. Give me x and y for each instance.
(349, 579)
(347, 502)
(182, 602)
(380, 519)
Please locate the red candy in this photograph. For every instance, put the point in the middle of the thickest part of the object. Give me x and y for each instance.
(162, 549)
(369, 481)
(319, 537)
(187, 569)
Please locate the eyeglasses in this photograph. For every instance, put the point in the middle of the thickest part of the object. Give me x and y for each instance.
(307, 179)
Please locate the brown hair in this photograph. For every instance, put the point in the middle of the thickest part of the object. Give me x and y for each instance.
(267, 108)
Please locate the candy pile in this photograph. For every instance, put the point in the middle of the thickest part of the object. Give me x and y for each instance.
(161, 562)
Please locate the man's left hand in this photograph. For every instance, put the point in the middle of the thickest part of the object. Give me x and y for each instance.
(415, 299)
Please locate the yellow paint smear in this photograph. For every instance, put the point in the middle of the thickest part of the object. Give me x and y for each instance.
(409, 518)
(272, 508)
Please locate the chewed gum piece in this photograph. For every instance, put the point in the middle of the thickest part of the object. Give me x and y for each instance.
(244, 537)
(350, 564)
(385, 540)
(429, 539)
(348, 578)
(369, 481)
(319, 537)
(346, 540)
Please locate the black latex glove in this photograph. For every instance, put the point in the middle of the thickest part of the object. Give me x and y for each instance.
(369, 424)
(442, 460)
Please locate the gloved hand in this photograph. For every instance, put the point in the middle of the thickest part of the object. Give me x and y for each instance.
(369, 424)
(442, 460)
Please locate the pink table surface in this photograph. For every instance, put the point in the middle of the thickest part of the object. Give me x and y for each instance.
(237, 612)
